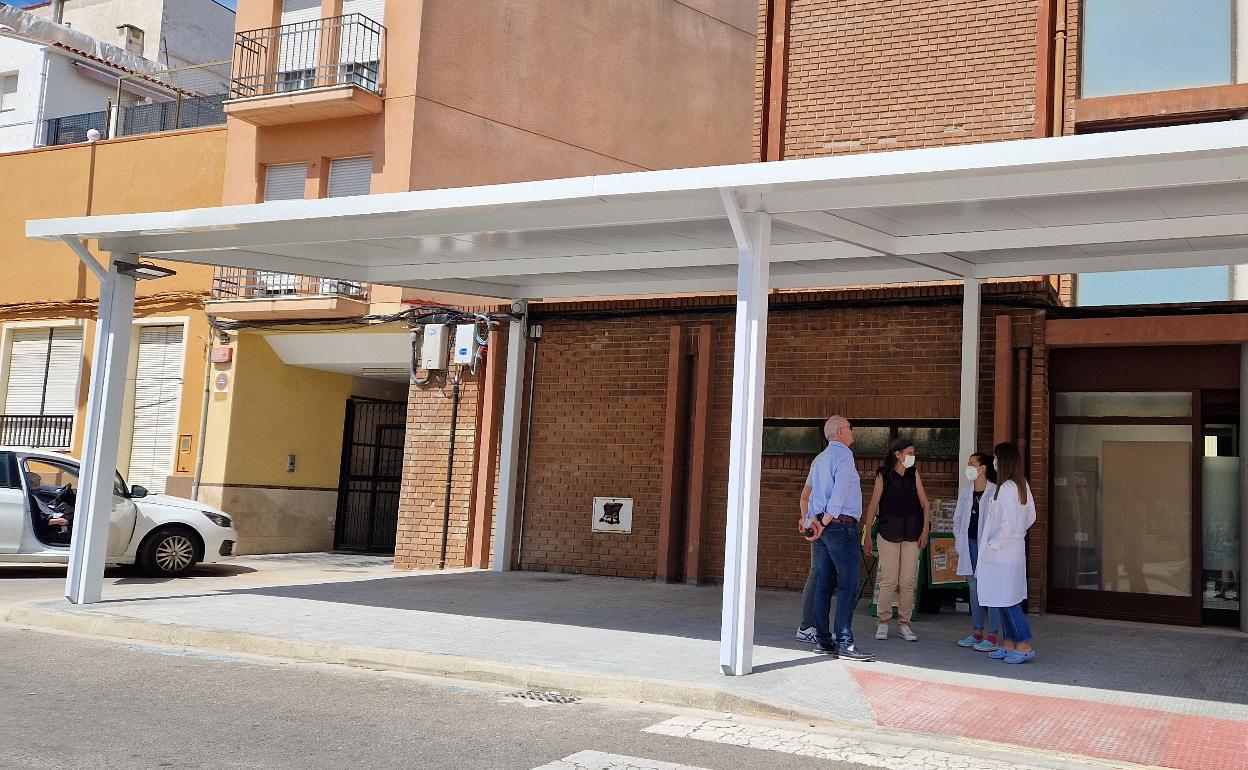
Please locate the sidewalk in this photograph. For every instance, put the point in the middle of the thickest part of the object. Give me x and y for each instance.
(1127, 692)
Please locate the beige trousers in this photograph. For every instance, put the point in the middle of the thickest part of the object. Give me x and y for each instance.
(899, 570)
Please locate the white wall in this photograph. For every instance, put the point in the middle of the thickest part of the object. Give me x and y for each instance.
(197, 31)
(194, 31)
(71, 93)
(17, 127)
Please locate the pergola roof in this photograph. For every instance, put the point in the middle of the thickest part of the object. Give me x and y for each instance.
(1150, 198)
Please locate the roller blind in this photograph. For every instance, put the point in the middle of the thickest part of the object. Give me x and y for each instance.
(285, 182)
(157, 387)
(44, 365)
(373, 9)
(350, 176)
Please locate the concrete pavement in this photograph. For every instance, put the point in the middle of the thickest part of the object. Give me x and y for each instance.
(1123, 692)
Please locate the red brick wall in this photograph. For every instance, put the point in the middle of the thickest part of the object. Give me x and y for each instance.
(599, 411)
(867, 75)
(422, 495)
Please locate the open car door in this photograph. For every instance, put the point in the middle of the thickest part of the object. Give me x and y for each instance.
(52, 491)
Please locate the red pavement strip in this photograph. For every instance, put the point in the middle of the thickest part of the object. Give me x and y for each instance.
(1125, 733)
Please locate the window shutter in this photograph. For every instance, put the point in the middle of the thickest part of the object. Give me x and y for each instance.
(64, 363)
(157, 388)
(350, 176)
(28, 360)
(297, 48)
(373, 9)
(285, 182)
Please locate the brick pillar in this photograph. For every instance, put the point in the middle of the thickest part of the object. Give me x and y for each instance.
(422, 494)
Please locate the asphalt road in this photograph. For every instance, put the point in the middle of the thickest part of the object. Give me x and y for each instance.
(71, 702)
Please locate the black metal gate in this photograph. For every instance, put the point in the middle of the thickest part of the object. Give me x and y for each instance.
(372, 469)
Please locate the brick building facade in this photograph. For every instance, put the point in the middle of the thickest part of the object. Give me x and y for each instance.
(630, 397)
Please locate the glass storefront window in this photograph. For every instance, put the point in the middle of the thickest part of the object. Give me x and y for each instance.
(1122, 508)
(793, 439)
(1124, 405)
(1138, 46)
(931, 442)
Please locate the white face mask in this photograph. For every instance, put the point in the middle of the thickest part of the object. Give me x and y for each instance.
(996, 466)
(908, 461)
(971, 473)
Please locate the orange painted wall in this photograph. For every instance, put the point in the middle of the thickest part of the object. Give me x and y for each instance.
(40, 280)
(487, 91)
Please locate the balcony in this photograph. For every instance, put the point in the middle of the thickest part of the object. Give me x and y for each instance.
(42, 431)
(259, 295)
(309, 71)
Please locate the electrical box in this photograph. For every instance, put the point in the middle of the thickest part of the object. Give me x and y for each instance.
(465, 344)
(433, 349)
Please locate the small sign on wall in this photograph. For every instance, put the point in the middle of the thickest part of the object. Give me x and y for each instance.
(613, 514)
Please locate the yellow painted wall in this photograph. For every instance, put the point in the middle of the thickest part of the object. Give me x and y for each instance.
(39, 280)
(270, 411)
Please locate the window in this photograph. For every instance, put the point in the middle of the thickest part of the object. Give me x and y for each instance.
(1137, 46)
(350, 176)
(933, 439)
(8, 92)
(9, 478)
(43, 371)
(285, 182)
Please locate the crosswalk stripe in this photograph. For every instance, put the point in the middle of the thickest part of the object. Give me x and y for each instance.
(822, 746)
(598, 760)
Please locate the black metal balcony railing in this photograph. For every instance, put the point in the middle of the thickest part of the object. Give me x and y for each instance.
(236, 283)
(44, 431)
(72, 129)
(313, 54)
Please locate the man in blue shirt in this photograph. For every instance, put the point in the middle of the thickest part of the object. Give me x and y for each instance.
(833, 496)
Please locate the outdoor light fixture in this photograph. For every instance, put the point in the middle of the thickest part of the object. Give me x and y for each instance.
(143, 271)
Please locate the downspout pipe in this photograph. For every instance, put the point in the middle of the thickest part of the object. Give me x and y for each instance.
(58, 11)
(450, 471)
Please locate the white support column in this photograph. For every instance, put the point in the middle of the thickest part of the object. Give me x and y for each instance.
(753, 233)
(509, 451)
(967, 422)
(89, 542)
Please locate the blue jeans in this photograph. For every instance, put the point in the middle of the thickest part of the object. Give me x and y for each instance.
(836, 569)
(808, 592)
(977, 612)
(1014, 624)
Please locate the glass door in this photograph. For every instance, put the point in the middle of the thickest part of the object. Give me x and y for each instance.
(1123, 504)
(1220, 502)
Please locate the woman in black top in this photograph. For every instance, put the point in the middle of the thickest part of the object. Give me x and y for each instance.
(901, 504)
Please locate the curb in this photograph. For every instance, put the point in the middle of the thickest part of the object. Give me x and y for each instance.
(519, 675)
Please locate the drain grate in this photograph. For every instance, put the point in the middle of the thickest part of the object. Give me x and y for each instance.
(550, 696)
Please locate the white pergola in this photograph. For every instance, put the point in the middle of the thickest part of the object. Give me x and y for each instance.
(1152, 198)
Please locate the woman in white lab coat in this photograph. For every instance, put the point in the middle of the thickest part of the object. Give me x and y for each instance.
(1001, 572)
(968, 527)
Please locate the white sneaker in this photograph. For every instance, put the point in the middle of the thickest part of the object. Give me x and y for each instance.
(904, 631)
(806, 635)
(881, 631)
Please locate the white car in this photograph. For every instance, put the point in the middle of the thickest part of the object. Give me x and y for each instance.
(165, 536)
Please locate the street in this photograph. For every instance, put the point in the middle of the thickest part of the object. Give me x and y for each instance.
(79, 703)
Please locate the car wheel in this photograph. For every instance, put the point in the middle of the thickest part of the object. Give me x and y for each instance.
(168, 553)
